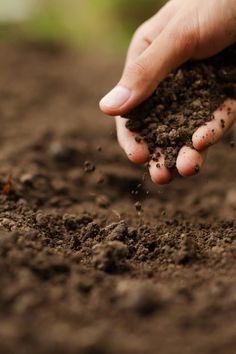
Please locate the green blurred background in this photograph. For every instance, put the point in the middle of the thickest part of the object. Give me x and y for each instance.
(99, 24)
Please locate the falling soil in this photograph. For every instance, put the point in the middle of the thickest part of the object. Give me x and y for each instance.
(184, 101)
(93, 257)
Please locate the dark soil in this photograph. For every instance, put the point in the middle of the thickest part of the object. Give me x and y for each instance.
(184, 101)
(93, 258)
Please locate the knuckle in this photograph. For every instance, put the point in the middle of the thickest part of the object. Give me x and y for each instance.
(142, 30)
(140, 71)
(187, 36)
(143, 33)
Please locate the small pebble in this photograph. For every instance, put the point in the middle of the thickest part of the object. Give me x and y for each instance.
(89, 166)
(26, 178)
(41, 219)
(138, 139)
(103, 201)
(138, 206)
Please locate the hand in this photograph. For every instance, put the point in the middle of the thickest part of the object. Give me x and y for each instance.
(180, 31)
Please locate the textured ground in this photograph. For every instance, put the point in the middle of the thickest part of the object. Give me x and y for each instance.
(81, 269)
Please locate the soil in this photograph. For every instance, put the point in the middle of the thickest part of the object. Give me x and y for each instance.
(93, 257)
(184, 101)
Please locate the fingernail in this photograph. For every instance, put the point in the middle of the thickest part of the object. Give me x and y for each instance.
(116, 97)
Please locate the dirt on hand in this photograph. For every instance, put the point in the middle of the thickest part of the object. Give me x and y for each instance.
(182, 102)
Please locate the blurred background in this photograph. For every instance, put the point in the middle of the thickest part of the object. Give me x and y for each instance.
(105, 25)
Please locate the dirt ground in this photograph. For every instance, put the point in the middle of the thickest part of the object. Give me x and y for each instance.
(81, 269)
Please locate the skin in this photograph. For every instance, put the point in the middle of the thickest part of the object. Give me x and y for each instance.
(180, 31)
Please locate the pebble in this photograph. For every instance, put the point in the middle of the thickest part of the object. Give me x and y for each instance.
(138, 206)
(41, 219)
(103, 201)
(110, 256)
(7, 223)
(119, 232)
(27, 178)
(89, 166)
(70, 222)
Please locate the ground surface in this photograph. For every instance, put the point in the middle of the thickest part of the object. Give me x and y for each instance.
(81, 270)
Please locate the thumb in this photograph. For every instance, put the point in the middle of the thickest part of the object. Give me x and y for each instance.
(142, 75)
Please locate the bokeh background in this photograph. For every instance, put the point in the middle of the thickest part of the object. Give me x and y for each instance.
(96, 24)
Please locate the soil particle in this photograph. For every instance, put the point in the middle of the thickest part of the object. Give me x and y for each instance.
(188, 250)
(89, 166)
(138, 139)
(27, 178)
(71, 222)
(103, 201)
(138, 206)
(184, 101)
(117, 231)
(91, 230)
(41, 219)
(110, 256)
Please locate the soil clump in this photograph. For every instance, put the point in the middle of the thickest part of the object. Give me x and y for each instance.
(182, 102)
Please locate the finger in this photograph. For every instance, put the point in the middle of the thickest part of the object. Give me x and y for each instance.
(158, 172)
(170, 49)
(147, 32)
(137, 152)
(189, 161)
(212, 131)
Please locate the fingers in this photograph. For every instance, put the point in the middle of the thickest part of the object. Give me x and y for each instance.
(141, 76)
(212, 132)
(190, 161)
(137, 152)
(158, 172)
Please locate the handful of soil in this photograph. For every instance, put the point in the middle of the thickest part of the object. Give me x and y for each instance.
(184, 101)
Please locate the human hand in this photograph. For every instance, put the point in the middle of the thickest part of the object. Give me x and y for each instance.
(180, 31)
